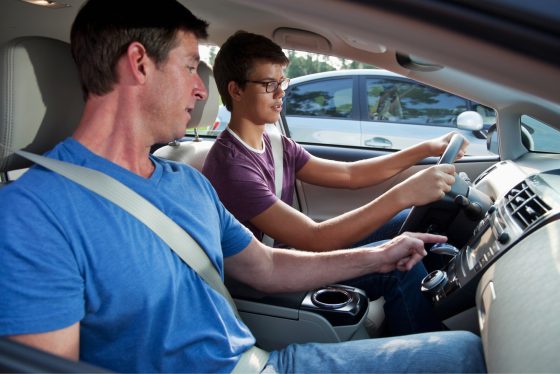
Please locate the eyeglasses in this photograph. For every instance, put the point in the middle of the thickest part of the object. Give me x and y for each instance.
(272, 86)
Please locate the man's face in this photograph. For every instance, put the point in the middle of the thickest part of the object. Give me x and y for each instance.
(175, 89)
(257, 105)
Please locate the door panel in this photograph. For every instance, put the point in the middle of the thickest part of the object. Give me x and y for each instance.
(320, 203)
(325, 130)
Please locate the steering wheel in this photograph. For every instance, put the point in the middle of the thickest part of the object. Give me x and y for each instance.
(415, 221)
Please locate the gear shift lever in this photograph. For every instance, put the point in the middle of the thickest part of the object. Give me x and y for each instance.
(444, 249)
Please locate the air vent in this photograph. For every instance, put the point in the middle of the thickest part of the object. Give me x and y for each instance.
(524, 206)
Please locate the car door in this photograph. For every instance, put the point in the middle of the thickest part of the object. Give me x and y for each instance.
(398, 113)
(321, 203)
(324, 111)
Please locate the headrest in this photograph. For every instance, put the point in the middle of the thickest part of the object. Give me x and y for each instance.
(42, 101)
(206, 111)
(41, 97)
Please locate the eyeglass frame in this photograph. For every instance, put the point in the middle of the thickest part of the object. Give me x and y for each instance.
(276, 84)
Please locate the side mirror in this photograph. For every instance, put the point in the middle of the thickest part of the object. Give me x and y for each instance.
(470, 121)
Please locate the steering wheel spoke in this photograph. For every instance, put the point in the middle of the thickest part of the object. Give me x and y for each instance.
(416, 220)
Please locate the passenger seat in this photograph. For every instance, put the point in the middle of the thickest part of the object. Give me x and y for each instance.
(41, 98)
(204, 115)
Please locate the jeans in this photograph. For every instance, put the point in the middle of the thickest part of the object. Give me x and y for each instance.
(437, 352)
(407, 310)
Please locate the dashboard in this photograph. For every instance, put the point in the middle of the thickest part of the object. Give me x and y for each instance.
(508, 270)
(523, 202)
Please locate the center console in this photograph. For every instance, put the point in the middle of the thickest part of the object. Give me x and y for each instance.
(524, 208)
(329, 314)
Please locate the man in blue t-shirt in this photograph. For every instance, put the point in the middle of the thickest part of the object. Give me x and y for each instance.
(83, 279)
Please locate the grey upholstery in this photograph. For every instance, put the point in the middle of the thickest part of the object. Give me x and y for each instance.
(194, 152)
(42, 102)
(41, 97)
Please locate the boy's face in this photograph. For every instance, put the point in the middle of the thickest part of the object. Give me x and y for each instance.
(255, 103)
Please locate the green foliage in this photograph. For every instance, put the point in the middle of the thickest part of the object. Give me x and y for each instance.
(351, 64)
(308, 64)
(212, 51)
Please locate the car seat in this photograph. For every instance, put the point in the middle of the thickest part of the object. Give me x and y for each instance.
(204, 115)
(41, 98)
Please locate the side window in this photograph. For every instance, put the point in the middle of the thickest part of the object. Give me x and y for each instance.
(324, 98)
(488, 114)
(400, 101)
(539, 136)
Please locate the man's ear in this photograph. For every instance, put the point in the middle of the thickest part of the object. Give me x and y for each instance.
(138, 61)
(234, 90)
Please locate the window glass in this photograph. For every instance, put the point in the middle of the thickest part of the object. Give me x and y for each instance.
(538, 136)
(399, 112)
(406, 102)
(488, 114)
(324, 98)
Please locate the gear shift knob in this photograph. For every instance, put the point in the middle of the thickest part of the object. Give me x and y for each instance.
(444, 249)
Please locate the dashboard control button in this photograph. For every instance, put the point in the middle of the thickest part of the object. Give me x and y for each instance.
(503, 238)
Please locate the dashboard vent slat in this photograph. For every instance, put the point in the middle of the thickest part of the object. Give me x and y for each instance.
(524, 206)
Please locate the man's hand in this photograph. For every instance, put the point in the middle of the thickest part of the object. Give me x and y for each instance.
(438, 145)
(426, 186)
(405, 251)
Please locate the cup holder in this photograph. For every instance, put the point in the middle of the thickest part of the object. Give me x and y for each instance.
(331, 298)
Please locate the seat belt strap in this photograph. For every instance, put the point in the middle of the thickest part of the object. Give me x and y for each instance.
(170, 232)
(278, 156)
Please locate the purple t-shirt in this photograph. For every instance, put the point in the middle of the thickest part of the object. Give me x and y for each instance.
(244, 176)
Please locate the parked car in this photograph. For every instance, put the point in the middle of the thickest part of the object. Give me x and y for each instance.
(502, 284)
(373, 108)
(221, 123)
(378, 109)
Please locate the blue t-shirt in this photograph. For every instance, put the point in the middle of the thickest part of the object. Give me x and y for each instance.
(69, 255)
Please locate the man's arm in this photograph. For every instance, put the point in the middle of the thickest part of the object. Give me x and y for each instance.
(286, 224)
(365, 173)
(64, 342)
(275, 270)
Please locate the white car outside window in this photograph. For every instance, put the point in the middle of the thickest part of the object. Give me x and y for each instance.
(377, 109)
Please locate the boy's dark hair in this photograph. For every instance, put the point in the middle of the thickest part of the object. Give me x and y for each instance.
(103, 30)
(237, 56)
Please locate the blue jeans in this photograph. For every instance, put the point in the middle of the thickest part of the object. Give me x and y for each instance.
(407, 310)
(437, 352)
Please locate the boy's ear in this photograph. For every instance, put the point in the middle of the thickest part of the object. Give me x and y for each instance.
(234, 90)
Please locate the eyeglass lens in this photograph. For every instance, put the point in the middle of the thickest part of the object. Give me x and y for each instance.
(273, 86)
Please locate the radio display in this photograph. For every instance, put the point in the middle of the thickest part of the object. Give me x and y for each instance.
(482, 246)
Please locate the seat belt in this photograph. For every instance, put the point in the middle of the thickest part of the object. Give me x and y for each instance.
(278, 156)
(180, 241)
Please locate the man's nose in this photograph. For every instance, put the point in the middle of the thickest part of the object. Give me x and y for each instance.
(200, 91)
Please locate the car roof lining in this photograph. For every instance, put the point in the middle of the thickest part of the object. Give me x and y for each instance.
(476, 64)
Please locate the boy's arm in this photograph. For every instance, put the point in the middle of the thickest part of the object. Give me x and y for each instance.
(291, 227)
(365, 173)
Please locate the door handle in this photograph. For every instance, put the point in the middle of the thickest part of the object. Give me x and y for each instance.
(378, 142)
